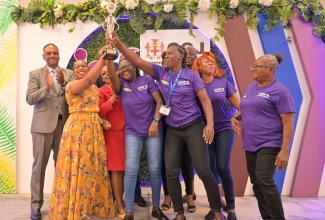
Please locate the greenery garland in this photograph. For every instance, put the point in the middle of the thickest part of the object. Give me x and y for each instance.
(142, 14)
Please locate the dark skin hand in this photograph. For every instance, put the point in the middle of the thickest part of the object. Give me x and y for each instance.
(59, 76)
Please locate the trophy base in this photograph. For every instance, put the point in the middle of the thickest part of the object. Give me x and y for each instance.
(110, 54)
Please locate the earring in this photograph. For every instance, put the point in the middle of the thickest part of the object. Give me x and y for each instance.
(200, 71)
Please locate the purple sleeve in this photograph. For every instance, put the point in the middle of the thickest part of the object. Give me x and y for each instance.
(197, 82)
(157, 71)
(285, 104)
(153, 87)
(230, 89)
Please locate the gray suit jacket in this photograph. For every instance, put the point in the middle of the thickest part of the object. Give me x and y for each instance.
(46, 106)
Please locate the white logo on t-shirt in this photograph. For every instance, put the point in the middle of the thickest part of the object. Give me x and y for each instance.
(219, 89)
(145, 87)
(264, 95)
(183, 82)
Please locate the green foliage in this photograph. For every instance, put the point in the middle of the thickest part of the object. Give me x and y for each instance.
(7, 133)
(6, 7)
(7, 174)
(279, 11)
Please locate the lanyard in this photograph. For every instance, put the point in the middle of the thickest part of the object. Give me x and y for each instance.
(172, 85)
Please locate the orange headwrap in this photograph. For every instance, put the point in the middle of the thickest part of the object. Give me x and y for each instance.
(210, 56)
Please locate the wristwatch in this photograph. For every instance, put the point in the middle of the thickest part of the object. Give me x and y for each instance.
(156, 119)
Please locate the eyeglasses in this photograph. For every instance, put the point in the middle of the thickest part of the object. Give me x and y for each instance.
(122, 68)
(255, 66)
(83, 66)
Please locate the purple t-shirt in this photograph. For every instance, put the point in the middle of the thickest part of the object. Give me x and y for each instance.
(261, 108)
(219, 90)
(138, 105)
(183, 104)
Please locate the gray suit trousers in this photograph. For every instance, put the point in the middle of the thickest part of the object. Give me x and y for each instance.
(43, 143)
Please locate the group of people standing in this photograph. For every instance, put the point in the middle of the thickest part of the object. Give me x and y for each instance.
(179, 110)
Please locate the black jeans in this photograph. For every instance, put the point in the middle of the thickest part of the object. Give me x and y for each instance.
(177, 139)
(261, 170)
(187, 171)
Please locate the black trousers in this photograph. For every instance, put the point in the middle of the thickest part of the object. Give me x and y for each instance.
(177, 139)
(261, 170)
(187, 172)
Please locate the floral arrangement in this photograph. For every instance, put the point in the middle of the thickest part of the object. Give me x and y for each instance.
(141, 13)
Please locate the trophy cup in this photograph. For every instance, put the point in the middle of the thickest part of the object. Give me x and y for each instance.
(110, 21)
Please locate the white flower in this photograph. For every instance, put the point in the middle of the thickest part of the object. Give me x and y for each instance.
(266, 3)
(168, 8)
(57, 11)
(103, 4)
(131, 4)
(233, 3)
(204, 5)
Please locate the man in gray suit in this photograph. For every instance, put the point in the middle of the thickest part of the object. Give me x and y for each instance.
(46, 92)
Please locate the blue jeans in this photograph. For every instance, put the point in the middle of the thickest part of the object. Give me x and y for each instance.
(133, 145)
(220, 152)
(261, 170)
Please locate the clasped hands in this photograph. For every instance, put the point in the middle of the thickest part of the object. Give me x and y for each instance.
(49, 81)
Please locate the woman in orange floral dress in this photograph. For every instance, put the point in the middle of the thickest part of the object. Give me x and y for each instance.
(81, 184)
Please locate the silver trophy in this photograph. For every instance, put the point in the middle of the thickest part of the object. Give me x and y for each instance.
(109, 26)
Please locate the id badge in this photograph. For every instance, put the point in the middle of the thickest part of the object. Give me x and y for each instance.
(164, 109)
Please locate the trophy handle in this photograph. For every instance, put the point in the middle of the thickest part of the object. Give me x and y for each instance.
(104, 23)
(118, 26)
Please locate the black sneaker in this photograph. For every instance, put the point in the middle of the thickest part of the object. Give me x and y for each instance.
(159, 214)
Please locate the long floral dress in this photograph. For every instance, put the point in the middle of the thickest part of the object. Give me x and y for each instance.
(81, 182)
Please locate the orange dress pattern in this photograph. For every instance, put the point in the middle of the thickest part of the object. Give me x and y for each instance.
(81, 182)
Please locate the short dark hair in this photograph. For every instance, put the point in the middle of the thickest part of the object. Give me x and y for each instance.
(50, 44)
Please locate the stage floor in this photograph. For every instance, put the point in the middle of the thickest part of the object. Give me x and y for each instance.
(16, 207)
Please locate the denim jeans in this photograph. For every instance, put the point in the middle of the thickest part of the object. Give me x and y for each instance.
(134, 146)
(177, 139)
(220, 152)
(261, 170)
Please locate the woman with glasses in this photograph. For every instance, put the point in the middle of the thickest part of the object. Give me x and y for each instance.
(221, 92)
(180, 87)
(267, 113)
(141, 101)
(81, 182)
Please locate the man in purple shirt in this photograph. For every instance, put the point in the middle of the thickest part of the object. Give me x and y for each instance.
(267, 113)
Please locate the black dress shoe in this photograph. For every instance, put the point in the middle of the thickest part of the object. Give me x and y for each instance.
(128, 217)
(210, 216)
(141, 202)
(231, 216)
(35, 214)
(159, 214)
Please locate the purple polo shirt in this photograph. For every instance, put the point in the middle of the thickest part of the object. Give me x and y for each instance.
(219, 90)
(184, 107)
(138, 105)
(261, 108)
